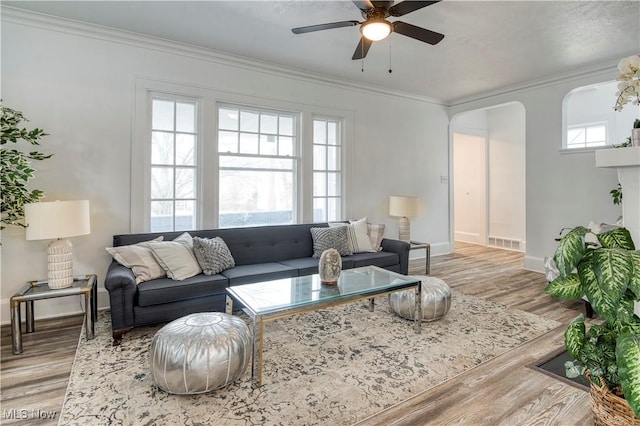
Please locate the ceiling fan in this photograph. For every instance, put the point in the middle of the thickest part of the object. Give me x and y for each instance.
(376, 27)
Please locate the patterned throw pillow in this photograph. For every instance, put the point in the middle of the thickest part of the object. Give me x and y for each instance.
(357, 236)
(326, 238)
(138, 258)
(213, 255)
(375, 235)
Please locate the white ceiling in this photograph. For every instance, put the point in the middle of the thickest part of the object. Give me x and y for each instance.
(488, 45)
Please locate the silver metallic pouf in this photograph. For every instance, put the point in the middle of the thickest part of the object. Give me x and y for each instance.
(199, 353)
(436, 300)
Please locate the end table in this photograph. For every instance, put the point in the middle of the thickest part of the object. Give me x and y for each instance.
(416, 245)
(39, 290)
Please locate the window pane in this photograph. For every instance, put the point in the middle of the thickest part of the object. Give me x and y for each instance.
(319, 209)
(161, 148)
(285, 146)
(227, 142)
(185, 150)
(319, 184)
(249, 121)
(161, 182)
(596, 134)
(319, 157)
(333, 209)
(162, 115)
(185, 183)
(333, 184)
(576, 137)
(256, 163)
(248, 143)
(185, 117)
(286, 125)
(268, 123)
(185, 215)
(268, 145)
(333, 158)
(319, 132)
(161, 216)
(332, 133)
(228, 119)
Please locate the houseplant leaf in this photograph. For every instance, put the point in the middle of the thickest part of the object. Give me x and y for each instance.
(605, 275)
(575, 336)
(628, 357)
(617, 238)
(634, 282)
(568, 287)
(570, 250)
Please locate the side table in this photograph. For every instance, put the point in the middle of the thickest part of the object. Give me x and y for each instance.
(39, 290)
(416, 245)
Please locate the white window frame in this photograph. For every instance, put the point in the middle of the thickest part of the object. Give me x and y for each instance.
(207, 156)
(339, 171)
(586, 127)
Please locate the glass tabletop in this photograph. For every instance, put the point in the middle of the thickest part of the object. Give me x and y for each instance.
(270, 296)
(34, 290)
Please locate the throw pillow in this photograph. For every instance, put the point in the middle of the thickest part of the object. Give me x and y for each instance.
(138, 258)
(213, 255)
(357, 237)
(326, 238)
(176, 257)
(376, 233)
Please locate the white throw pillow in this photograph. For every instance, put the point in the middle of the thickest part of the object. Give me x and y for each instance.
(376, 232)
(176, 257)
(138, 258)
(360, 235)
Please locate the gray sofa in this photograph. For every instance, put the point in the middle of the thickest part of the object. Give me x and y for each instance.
(260, 253)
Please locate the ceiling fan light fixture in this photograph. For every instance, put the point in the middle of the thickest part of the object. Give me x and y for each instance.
(376, 30)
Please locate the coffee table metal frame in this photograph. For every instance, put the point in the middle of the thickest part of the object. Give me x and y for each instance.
(260, 318)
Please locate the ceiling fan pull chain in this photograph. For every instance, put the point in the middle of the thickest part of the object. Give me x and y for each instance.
(390, 70)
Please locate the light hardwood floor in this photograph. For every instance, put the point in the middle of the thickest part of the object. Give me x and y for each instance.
(502, 391)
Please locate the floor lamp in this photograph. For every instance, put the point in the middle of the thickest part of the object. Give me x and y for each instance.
(59, 220)
(404, 207)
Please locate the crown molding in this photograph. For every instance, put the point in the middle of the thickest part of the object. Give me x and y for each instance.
(83, 29)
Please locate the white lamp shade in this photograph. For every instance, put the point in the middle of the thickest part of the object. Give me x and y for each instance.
(57, 219)
(403, 206)
(376, 30)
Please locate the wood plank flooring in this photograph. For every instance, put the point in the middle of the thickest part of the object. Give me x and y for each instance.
(500, 392)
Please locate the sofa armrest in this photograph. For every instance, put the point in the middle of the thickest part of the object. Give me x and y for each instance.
(121, 285)
(402, 250)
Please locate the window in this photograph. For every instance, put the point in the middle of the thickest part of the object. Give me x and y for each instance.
(173, 177)
(587, 136)
(257, 153)
(327, 176)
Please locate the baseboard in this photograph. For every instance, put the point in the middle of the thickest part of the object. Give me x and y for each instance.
(535, 264)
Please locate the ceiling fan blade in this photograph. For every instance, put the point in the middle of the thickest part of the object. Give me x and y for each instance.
(363, 4)
(418, 33)
(362, 48)
(320, 27)
(405, 7)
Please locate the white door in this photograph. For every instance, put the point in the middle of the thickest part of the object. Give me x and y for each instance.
(470, 188)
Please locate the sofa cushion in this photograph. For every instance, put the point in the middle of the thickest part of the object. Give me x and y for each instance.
(166, 290)
(309, 265)
(381, 259)
(213, 255)
(176, 257)
(326, 238)
(139, 258)
(247, 274)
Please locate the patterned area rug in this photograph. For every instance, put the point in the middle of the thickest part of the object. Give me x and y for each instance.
(336, 366)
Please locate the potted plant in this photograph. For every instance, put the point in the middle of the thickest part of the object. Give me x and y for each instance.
(15, 167)
(607, 274)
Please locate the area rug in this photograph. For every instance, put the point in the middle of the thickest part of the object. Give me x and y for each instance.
(335, 366)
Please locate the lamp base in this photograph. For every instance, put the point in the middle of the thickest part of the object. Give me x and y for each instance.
(60, 266)
(405, 229)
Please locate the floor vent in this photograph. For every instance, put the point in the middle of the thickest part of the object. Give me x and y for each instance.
(506, 243)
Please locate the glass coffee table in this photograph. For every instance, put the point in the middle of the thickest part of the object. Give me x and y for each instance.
(271, 300)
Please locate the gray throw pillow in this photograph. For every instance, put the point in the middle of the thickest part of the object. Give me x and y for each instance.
(326, 238)
(213, 255)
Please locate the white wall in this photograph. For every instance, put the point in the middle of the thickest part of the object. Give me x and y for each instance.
(562, 190)
(79, 84)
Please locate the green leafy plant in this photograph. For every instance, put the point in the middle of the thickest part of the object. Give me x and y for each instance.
(607, 273)
(15, 167)
(636, 123)
(616, 194)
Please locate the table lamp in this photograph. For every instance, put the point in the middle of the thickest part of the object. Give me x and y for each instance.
(59, 220)
(404, 207)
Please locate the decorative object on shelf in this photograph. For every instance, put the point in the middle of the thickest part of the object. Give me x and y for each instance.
(329, 266)
(58, 219)
(436, 300)
(15, 167)
(404, 207)
(606, 273)
(629, 82)
(199, 353)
